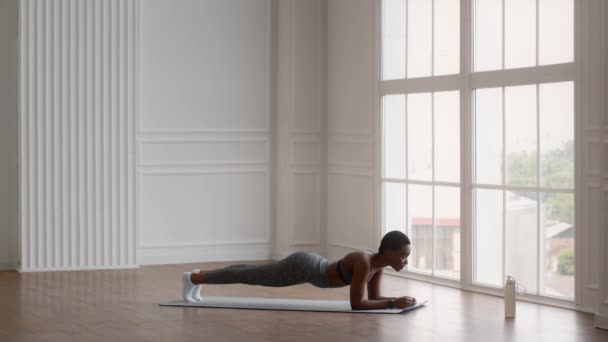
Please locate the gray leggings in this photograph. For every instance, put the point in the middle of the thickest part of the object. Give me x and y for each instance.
(297, 268)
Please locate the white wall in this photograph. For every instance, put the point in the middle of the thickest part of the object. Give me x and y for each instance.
(149, 131)
(231, 130)
(593, 151)
(8, 134)
(352, 217)
(205, 131)
(601, 13)
(301, 127)
(78, 97)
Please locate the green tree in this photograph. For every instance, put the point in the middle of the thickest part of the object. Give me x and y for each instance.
(565, 265)
(557, 171)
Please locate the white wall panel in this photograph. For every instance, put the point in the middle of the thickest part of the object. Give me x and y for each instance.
(78, 105)
(193, 208)
(350, 66)
(205, 66)
(307, 67)
(350, 214)
(301, 125)
(591, 220)
(205, 122)
(350, 103)
(305, 209)
(600, 11)
(351, 152)
(305, 152)
(9, 151)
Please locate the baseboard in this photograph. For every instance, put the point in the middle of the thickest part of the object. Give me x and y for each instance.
(601, 321)
(77, 268)
(186, 255)
(7, 266)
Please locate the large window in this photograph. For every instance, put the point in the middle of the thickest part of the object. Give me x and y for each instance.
(515, 100)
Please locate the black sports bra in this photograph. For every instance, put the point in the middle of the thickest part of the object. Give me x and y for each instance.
(346, 278)
(342, 274)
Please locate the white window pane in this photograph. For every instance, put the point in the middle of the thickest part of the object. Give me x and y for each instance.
(488, 136)
(394, 206)
(557, 246)
(419, 136)
(557, 135)
(520, 33)
(488, 237)
(393, 39)
(488, 35)
(393, 136)
(520, 135)
(447, 231)
(447, 136)
(419, 38)
(521, 239)
(420, 211)
(556, 31)
(447, 37)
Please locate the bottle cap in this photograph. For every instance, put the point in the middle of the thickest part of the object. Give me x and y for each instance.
(510, 281)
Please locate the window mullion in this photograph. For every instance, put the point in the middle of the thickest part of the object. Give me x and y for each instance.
(407, 189)
(503, 36)
(466, 203)
(537, 33)
(523, 76)
(433, 252)
(538, 185)
(407, 23)
(504, 192)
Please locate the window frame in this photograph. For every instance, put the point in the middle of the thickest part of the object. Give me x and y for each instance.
(466, 82)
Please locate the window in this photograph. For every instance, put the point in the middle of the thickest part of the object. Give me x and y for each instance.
(421, 133)
(516, 102)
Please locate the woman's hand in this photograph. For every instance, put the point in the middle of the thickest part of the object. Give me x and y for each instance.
(404, 302)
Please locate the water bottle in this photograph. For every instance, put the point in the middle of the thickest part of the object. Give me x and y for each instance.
(510, 286)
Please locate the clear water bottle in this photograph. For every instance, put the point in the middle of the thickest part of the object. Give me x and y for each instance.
(510, 286)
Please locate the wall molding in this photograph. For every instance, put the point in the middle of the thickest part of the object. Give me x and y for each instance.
(350, 133)
(335, 171)
(161, 132)
(204, 244)
(196, 254)
(346, 246)
(185, 140)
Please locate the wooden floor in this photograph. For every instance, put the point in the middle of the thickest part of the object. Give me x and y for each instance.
(122, 305)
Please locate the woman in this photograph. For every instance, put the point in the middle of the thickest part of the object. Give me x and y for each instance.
(357, 269)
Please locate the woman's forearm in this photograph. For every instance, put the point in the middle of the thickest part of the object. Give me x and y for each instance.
(382, 297)
(372, 304)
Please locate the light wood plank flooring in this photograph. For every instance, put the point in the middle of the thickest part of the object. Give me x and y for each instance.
(121, 305)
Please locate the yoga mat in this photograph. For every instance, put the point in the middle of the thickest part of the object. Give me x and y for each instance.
(284, 305)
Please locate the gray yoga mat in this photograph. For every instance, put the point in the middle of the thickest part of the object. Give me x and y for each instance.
(284, 304)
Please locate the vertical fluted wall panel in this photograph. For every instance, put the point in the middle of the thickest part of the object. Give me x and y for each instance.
(78, 61)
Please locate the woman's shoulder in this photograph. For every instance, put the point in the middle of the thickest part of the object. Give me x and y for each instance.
(359, 257)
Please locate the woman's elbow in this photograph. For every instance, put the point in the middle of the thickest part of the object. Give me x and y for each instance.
(356, 306)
